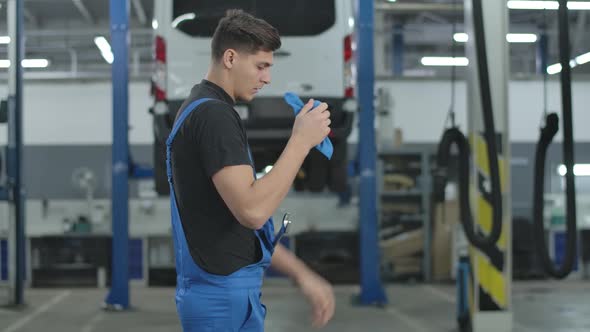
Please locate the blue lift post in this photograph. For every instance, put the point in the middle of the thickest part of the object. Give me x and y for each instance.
(15, 188)
(542, 53)
(118, 297)
(371, 288)
(398, 50)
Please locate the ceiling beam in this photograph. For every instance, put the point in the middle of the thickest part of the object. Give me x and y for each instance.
(84, 11)
(434, 18)
(580, 34)
(59, 76)
(418, 7)
(63, 48)
(139, 11)
(32, 18)
(78, 32)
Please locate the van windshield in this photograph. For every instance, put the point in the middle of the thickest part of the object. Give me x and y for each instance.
(291, 18)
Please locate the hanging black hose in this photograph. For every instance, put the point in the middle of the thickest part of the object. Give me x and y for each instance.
(547, 134)
(454, 136)
(450, 137)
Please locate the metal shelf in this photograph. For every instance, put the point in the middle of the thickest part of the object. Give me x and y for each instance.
(420, 194)
(402, 193)
(162, 266)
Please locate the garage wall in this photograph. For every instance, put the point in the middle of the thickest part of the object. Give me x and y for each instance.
(68, 125)
(420, 108)
(80, 113)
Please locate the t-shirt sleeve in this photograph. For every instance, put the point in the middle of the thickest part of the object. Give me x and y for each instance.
(220, 139)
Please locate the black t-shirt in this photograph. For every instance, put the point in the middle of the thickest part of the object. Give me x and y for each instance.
(211, 138)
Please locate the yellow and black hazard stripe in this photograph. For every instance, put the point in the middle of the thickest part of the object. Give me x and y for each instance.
(488, 267)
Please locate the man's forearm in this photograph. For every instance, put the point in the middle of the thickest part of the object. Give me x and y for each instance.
(269, 191)
(287, 263)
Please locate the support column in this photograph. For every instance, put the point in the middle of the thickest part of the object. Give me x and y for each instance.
(398, 50)
(16, 193)
(371, 288)
(118, 297)
(542, 54)
(489, 286)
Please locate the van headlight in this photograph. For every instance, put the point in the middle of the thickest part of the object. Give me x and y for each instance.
(350, 105)
(160, 108)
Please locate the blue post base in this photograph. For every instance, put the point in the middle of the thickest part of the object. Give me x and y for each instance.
(463, 317)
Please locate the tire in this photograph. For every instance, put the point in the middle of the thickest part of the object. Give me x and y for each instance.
(299, 182)
(160, 173)
(338, 175)
(317, 171)
(338, 168)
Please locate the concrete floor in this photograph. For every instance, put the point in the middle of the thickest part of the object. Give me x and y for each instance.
(538, 306)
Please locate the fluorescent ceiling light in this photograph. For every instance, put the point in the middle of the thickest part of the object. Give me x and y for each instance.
(578, 5)
(582, 59)
(579, 170)
(461, 37)
(550, 5)
(444, 61)
(105, 49)
(554, 69)
(579, 60)
(4, 40)
(182, 18)
(521, 38)
(513, 4)
(27, 63)
(511, 37)
(35, 63)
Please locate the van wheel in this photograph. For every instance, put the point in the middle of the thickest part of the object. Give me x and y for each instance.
(299, 182)
(338, 178)
(160, 175)
(317, 171)
(338, 168)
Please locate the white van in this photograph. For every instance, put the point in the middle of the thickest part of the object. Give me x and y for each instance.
(315, 60)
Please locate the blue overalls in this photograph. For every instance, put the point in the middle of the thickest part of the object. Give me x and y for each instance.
(208, 302)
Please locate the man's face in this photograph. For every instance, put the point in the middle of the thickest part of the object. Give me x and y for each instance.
(251, 72)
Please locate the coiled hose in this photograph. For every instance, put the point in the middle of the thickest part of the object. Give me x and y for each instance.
(454, 136)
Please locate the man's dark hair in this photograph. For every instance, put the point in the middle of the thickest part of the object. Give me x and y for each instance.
(244, 33)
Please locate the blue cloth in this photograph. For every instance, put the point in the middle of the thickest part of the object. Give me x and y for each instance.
(212, 303)
(325, 147)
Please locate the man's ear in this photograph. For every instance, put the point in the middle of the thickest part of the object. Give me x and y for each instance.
(229, 57)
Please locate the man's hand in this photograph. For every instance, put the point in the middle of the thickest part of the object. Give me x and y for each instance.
(312, 125)
(320, 295)
(317, 290)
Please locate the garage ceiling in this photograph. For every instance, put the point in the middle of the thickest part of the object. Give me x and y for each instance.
(63, 32)
(428, 29)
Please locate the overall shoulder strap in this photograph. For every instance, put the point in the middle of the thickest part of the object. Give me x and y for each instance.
(183, 115)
